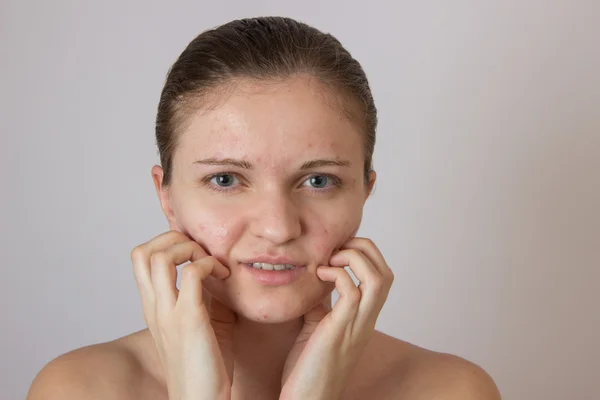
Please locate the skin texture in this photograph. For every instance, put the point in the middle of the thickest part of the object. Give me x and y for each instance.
(270, 208)
(273, 208)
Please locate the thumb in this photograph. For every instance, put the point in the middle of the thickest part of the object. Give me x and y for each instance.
(316, 314)
(312, 319)
(223, 319)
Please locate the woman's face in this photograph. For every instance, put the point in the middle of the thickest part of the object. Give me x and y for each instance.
(273, 170)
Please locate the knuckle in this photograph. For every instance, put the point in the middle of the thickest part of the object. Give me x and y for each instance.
(206, 261)
(193, 249)
(192, 243)
(367, 241)
(159, 257)
(197, 251)
(391, 275)
(362, 241)
(209, 260)
(190, 271)
(137, 254)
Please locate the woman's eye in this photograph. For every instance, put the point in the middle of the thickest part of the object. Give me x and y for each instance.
(223, 180)
(318, 181)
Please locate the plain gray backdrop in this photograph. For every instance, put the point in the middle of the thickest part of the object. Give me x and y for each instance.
(488, 155)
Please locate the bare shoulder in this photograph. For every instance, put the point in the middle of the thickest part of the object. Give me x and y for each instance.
(443, 376)
(415, 373)
(109, 370)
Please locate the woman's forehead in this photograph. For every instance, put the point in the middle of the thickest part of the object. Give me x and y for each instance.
(286, 119)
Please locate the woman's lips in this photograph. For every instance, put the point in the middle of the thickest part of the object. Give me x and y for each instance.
(273, 277)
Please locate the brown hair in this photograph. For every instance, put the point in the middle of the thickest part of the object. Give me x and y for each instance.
(258, 48)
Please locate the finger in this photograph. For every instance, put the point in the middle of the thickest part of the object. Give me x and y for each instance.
(360, 265)
(345, 309)
(140, 257)
(192, 275)
(163, 270)
(373, 286)
(368, 247)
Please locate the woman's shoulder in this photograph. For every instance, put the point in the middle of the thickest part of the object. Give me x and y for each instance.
(99, 371)
(389, 368)
(412, 372)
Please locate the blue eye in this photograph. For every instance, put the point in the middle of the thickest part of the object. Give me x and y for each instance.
(229, 182)
(223, 180)
(318, 181)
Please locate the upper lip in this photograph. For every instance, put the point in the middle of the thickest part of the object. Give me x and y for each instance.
(265, 258)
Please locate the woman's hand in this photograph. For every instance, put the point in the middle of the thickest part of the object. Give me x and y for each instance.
(194, 340)
(331, 341)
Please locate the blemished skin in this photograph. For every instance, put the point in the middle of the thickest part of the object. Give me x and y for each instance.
(239, 191)
(274, 207)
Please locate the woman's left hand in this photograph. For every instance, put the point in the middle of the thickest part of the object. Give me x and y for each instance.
(331, 341)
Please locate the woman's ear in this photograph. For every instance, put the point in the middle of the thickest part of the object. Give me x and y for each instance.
(371, 183)
(164, 197)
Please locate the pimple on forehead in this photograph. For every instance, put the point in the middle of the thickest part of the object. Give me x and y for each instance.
(230, 126)
(248, 129)
(236, 125)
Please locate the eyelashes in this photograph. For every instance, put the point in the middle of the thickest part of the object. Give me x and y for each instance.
(334, 182)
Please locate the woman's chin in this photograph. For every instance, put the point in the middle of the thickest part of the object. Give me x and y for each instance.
(269, 304)
(270, 311)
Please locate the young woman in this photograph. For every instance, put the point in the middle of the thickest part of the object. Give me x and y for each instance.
(266, 130)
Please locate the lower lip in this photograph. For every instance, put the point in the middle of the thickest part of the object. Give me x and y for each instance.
(273, 277)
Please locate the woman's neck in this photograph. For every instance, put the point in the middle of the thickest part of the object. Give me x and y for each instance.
(257, 344)
(260, 351)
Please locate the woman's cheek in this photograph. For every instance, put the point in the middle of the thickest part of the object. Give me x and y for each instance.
(334, 234)
(213, 232)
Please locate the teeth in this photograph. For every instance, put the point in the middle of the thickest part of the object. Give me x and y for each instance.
(270, 267)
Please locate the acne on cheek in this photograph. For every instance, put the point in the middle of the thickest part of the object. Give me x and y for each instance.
(333, 237)
(212, 229)
(212, 238)
(220, 232)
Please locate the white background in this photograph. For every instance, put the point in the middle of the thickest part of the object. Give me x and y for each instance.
(488, 154)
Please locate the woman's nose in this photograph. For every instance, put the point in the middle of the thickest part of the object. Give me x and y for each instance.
(276, 218)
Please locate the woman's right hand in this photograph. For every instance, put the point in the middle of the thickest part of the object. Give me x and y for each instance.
(194, 340)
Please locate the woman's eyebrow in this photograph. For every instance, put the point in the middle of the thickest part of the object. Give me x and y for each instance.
(246, 165)
(225, 161)
(325, 163)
